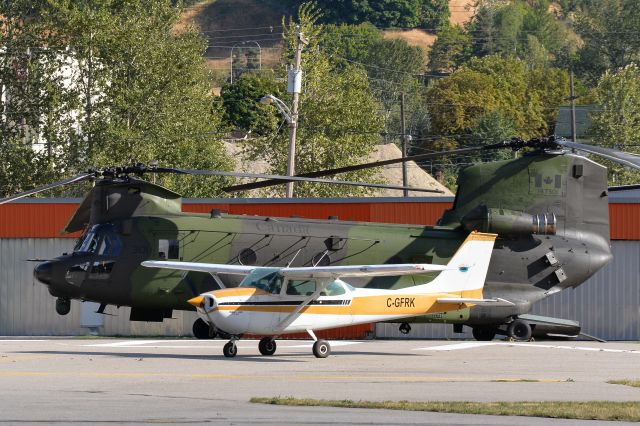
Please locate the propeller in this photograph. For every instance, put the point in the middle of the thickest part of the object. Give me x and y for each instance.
(620, 157)
(140, 169)
(74, 179)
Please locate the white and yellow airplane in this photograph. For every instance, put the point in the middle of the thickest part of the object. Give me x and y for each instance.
(275, 301)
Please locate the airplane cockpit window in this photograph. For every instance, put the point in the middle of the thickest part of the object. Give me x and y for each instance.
(333, 289)
(301, 287)
(269, 281)
(100, 239)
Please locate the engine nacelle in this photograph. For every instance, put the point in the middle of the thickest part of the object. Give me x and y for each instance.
(509, 222)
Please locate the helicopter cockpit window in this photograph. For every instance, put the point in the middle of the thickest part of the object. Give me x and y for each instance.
(168, 249)
(100, 239)
(271, 282)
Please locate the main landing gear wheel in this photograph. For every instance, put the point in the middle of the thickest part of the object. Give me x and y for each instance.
(63, 306)
(321, 349)
(230, 350)
(267, 346)
(405, 328)
(202, 330)
(484, 333)
(519, 330)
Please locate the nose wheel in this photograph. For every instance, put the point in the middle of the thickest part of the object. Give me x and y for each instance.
(230, 349)
(63, 306)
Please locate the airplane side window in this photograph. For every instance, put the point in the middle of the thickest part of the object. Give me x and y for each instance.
(301, 287)
(333, 289)
(168, 249)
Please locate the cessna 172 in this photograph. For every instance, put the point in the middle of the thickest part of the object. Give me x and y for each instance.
(274, 301)
(549, 208)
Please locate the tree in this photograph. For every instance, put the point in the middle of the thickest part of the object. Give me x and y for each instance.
(451, 49)
(144, 88)
(242, 109)
(338, 117)
(33, 103)
(466, 103)
(609, 30)
(429, 14)
(524, 29)
(617, 122)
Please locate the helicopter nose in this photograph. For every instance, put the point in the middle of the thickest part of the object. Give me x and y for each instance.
(42, 272)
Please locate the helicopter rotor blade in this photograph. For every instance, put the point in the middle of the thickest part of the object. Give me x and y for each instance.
(330, 172)
(74, 179)
(279, 178)
(620, 157)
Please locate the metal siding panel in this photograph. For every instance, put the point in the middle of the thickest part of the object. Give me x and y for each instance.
(608, 304)
(625, 221)
(26, 307)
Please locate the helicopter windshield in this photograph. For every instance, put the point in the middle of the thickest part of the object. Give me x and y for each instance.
(100, 239)
(268, 280)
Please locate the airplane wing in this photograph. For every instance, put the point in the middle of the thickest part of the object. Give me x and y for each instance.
(460, 300)
(335, 272)
(212, 268)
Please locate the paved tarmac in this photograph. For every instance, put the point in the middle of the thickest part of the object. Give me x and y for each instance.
(164, 381)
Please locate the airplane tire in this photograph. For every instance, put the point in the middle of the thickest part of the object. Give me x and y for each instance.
(230, 350)
(267, 346)
(321, 349)
(484, 333)
(519, 330)
(63, 306)
(201, 329)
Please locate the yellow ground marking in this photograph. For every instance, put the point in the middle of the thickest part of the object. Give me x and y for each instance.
(281, 377)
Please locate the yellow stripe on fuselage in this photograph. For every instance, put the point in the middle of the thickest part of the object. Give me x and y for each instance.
(390, 304)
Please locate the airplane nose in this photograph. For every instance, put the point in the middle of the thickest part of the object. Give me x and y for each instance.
(42, 272)
(196, 301)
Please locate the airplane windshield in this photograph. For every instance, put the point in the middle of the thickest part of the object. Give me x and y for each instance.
(100, 239)
(269, 281)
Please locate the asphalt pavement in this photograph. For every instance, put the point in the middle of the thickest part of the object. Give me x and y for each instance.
(169, 381)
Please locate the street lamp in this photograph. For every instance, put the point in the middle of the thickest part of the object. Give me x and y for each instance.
(292, 120)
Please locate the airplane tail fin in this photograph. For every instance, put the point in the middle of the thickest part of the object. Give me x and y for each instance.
(467, 269)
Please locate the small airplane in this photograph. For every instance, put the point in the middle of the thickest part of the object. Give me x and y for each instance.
(274, 301)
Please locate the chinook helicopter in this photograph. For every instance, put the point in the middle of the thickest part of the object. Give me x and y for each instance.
(549, 208)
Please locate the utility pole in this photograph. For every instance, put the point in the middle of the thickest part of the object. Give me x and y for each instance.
(572, 97)
(294, 81)
(405, 179)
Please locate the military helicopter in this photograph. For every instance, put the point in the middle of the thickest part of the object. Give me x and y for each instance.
(549, 208)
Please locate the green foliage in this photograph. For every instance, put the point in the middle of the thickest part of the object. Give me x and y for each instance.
(617, 123)
(524, 29)
(32, 101)
(451, 49)
(353, 42)
(609, 31)
(144, 90)
(493, 98)
(430, 14)
(242, 108)
(338, 117)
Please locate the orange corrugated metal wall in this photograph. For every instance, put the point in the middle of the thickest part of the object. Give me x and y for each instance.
(46, 219)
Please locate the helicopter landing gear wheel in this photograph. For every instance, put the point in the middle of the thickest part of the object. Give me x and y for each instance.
(519, 330)
(63, 306)
(405, 328)
(321, 349)
(202, 330)
(267, 346)
(484, 333)
(230, 349)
